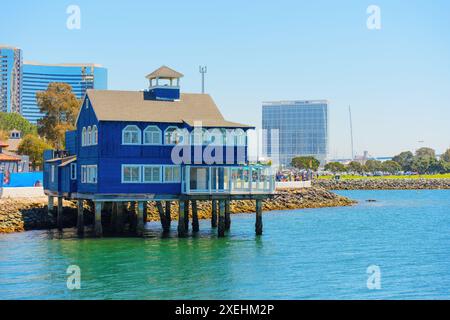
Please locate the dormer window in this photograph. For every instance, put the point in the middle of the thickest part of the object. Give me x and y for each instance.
(152, 135)
(131, 135)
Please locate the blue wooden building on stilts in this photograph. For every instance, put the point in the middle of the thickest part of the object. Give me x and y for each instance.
(155, 145)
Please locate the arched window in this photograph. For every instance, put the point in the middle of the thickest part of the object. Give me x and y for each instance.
(241, 137)
(131, 135)
(197, 136)
(205, 137)
(152, 135)
(83, 137)
(89, 136)
(174, 135)
(94, 135)
(216, 137)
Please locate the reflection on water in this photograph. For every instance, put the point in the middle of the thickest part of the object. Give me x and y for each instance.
(315, 253)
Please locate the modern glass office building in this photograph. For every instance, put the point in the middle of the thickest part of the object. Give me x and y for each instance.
(295, 128)
(37, 77)
(10, 78)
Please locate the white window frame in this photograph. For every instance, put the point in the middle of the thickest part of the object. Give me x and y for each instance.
(92, 174)
(139, 135)
(172, 180)
(152, 167)
(169, 141)
(73, 171)
(89, 136)
(94, 136)
(240, 134)
(83, 137)
(152, 127)
(133, 166)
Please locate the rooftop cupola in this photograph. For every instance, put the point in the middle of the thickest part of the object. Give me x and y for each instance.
(164, 84)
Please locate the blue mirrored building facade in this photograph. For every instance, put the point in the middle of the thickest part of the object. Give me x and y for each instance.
(295, 128)
(37, 77)
(10, 78)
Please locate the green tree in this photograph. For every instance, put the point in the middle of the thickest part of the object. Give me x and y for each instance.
(60, 107)
(10, 121)
(355, 166)
(390, 166)
(3, 135)
(373, 165)
(33, 146)
(425, 152)
(404, 159)
(335, 167)
(446, 155)
(423, 164)
(305, 163)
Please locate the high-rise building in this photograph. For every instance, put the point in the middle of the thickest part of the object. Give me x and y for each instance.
(295, 128)
(10, 78)
(37, 77)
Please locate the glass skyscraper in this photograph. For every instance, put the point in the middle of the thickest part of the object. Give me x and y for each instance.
(10, 78)
(295, 128)
(37, 77)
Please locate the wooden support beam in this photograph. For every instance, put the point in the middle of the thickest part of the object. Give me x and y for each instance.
(162, 216)
(140, 218)
(98, 219)
(227, 215)
(59, 217)
(195, 224)
(221, 229)
(168, 217)
(214, 214)
(186, 215)
(50, 206)
(181, 225)
(80, 217)
(113, 223)
(259, 223)
(145, 212)
(120, 221)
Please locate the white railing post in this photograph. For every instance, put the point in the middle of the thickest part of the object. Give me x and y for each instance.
(188, 179)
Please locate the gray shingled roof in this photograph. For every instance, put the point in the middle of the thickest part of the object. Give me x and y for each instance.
(164, 72)
(130, 106)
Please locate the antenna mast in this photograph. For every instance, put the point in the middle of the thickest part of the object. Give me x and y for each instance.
(351, 130)
(203, 70)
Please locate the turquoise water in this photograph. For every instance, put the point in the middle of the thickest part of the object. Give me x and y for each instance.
(303, 254)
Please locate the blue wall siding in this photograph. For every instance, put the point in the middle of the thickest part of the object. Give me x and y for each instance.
(87, 155)
(71, 142)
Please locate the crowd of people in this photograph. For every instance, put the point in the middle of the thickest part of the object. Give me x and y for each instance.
(294, 175)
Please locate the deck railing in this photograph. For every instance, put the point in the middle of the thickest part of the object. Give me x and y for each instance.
(250, 179)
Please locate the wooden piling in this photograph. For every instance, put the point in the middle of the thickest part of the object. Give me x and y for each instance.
(59, 217)
(120, 221)
(113, 222)
(140, 219)
(168, 217)
(221, 228)
(162, 216)
(214, 214)
(195, 224)
(227, 215)
(80, 217)
(259, 223)
(181, 224)
(98, 219)
(186, 215)
(50, 206)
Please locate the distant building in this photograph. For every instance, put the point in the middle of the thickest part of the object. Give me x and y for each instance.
(37, 77)
(295, 128)
(20, 81)
(10, 78)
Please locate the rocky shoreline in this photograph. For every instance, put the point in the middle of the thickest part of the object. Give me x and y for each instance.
(382, 184)
(17, 215)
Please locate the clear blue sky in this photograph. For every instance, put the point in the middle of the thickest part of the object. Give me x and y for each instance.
(396, 79)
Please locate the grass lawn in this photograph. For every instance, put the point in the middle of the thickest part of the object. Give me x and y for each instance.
(424, 176)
